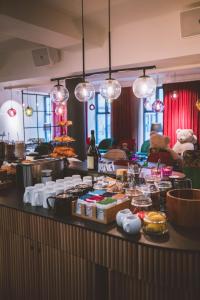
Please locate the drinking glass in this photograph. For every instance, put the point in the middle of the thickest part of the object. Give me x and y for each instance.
(182, 183)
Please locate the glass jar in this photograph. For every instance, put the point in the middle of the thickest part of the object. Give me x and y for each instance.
(155, 223)
(141, 204)
(164, 187)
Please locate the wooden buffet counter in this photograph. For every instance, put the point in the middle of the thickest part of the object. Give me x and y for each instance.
(47, 257)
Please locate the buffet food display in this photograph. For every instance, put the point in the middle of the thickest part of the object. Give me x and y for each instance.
(62, 149)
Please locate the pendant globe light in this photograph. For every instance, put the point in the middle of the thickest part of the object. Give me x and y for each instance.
(110, 89)
(84, 91)
(59, 93)
(11, 111)
(28, 110)
(158, 106)
(144, 86)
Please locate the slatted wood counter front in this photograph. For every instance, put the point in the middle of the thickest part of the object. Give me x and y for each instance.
(44, 258)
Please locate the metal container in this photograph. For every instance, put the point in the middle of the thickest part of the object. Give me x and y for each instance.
(28, 174)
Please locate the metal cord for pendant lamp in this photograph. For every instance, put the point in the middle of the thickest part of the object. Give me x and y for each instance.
(11, 111)
(84, 91)
(83, 39)
(110, 89)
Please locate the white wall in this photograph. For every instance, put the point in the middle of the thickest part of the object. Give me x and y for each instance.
(12, 126)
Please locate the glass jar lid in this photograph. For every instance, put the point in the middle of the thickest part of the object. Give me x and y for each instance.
(155, 217)
(141, 201)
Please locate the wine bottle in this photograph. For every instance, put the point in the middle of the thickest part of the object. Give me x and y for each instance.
(92, 154)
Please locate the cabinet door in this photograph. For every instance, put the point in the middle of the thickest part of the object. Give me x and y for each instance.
(23, 268)
(64, 277)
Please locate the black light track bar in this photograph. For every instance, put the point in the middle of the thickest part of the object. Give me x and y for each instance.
(105, 72)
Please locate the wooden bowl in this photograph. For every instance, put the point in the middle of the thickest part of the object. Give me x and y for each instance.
(183, 207)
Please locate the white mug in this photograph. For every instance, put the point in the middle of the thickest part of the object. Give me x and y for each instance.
(132, 224)
(76, 177)
(86, 178)
(68, 186)
(58, 181)
(49, 193)
(121, 215)
(76, 181)
(50, 183)
(27, 194)
(39, 185)
(88, 182)
(37, 196)
(59, 190)
(68, 178)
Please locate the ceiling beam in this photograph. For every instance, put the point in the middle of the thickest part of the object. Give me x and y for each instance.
(41, 24)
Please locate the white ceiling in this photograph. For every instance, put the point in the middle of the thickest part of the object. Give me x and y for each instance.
(25, 25)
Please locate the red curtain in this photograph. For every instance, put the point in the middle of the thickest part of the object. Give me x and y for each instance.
(125, 116)
(181, 112)
(59, 130)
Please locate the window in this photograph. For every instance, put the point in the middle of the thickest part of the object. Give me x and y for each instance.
(99, 119)
(151, 116)
(38, 126)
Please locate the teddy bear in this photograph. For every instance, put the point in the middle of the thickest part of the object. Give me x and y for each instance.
(185, 140)
(161, 142)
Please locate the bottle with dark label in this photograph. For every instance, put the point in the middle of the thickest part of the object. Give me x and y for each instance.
(92, 154)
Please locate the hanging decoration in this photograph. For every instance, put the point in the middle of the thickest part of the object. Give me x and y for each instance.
(110, 88)
(28, 110)
(59, 93)
(11, 111)
(158, 106)
(59, 110)
(92, 107)
(147, 105)
(198, 104)
(84, 91)
(174, 95)
(144, 86)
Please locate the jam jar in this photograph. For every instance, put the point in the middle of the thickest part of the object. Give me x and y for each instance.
(155, 223)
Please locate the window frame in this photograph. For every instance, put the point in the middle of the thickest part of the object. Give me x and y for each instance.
(106, 112)
(37, 111)
(151, 111)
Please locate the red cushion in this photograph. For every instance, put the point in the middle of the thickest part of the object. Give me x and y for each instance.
(164, 157)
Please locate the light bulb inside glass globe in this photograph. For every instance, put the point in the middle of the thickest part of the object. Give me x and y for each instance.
(59, 110)
(28, 111)
(84, 91)
(110, 89)
(158, 106)
(59, 94)
(12, 112)
(144, 87)
(174, 95)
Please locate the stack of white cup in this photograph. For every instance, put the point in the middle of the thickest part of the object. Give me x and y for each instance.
(37, 195)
